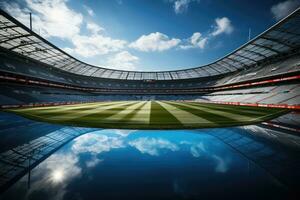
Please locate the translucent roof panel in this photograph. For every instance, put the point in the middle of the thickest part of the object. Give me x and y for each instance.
(130, 76)
(282, 37)
(124, 75)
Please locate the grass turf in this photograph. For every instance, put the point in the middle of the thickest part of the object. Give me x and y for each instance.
(150, 114)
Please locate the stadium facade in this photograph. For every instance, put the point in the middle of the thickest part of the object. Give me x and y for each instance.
(263, 72)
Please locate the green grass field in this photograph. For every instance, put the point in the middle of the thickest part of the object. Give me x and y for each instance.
(150, 114)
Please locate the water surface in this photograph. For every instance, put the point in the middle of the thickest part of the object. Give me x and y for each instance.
(132, 164)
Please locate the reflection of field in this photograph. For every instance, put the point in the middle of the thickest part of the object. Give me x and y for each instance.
(150, 114)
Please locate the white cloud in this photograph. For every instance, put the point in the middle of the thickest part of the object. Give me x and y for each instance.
(94, 28)
(181, 6)
(68, 50)
(123, 60)
(223, 25)
(152, 146)
(15, 10)
(195, 41)
(53, 18)
(154, 42)
(160, 42)
(96, 44)
(89, 11)
(284, 8)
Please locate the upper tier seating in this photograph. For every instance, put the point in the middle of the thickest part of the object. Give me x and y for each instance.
(37, 70)
(282, 94)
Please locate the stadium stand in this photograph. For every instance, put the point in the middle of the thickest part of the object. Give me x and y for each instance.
(271, 94)
(264, 71)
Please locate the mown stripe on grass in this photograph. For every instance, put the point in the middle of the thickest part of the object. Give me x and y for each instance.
(185, 117)
(60, 109)
(211, 117)
(142, 115)
(93, 106)
(226, 115)
(250, 111)
(269, 116)
(70, 115)
(66, 107)
(124, 115)
(261, 114)
(103, 112)
(160, 116)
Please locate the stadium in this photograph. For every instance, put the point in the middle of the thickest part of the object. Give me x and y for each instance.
(248, 100)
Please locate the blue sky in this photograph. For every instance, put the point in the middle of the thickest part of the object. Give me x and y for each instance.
(149, 34)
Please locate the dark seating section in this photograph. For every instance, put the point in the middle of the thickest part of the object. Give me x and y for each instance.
(12, 94)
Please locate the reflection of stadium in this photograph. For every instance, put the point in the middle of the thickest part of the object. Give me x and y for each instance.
(263, 71)
(277, 158)
(19, 159)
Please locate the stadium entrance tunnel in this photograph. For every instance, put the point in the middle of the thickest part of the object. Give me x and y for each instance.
(150, 115)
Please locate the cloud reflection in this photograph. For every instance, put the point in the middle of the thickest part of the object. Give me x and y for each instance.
(53, 176)
(87, 151)
(62, 167)
(96, 143)
(93, 162)
(198, 149)
(152, 146)
(222, 164)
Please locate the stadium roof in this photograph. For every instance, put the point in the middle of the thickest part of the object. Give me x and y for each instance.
(282, 37)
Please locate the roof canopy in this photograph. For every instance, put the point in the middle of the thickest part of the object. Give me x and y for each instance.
(282, 37)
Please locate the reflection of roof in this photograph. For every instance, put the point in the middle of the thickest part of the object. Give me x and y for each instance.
(280, 38)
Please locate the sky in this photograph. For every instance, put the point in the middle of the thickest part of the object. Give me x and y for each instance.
(149, 35)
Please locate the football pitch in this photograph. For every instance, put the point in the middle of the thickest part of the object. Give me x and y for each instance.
(150, 114)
